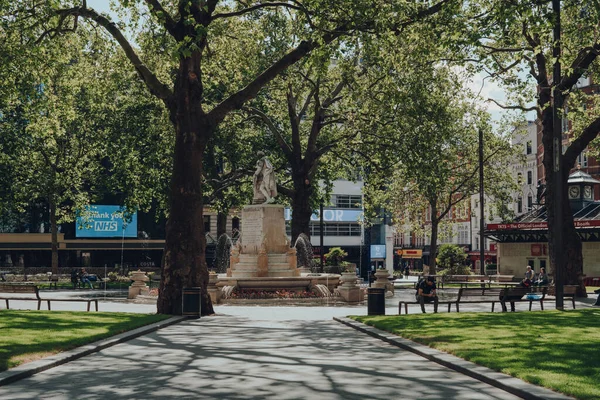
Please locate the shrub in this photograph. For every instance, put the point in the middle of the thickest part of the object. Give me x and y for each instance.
(335, 256)
(452, 258)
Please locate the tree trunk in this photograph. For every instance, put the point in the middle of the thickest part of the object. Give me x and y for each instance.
(221, 223)
(301, 207)
(433, 244)
(54, 234)
(184, 262)
(571, 246)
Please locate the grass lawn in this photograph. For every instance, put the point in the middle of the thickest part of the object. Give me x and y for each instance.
(30, 335)
(558, 350)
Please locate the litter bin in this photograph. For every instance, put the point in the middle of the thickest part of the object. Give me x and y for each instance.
(375, 301)
(191, 300)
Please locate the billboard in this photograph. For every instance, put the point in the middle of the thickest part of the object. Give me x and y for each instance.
(377, 251)
(99, 221)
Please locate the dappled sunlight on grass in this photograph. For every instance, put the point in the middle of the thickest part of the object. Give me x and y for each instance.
(30, 335)
(558, 350)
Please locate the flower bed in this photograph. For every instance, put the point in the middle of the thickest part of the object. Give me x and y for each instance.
(269, 294)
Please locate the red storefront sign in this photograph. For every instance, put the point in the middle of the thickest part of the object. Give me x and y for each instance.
(538, 225)
(539, 249)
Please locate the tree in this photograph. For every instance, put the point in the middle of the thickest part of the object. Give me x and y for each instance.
(53, 146)
(436, 169)
(514, 40)
(184, 34)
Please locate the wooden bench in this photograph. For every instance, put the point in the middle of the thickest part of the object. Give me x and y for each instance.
(477, 296)
(509, 295)
(406, 303)
(569, 292)
(33, 289)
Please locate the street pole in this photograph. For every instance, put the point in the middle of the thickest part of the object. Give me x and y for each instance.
(321, 228)
(481, 208)
(557, 162)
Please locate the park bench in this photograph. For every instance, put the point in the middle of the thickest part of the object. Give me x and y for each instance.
(509, 295)
(478, 296)
(21, 289)
(466, 280)
(406, 303)
(569, 292)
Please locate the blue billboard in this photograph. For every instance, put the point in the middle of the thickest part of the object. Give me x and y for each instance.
(105, 221)
(377, 251)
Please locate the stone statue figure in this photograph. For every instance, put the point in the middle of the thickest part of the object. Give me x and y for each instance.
(265, 184)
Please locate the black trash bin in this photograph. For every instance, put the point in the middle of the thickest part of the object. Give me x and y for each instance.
(191, 300)
(375, 301)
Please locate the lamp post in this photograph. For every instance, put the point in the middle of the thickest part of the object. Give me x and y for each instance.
(321, 228)
(481, 208)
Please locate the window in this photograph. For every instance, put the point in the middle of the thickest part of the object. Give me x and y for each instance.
(528, 148)
(347, 201)
(520, 205)
(335, 230)
(529, 202)
(520, 178)
(206, 223)
(235, 224)
(529, 177)
(582, 160)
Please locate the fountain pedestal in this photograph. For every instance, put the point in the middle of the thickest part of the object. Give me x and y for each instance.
(265, 250)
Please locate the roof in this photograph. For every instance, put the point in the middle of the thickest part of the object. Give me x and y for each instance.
(581, 177)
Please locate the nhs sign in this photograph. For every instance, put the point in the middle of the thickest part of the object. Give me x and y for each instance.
(105, 221)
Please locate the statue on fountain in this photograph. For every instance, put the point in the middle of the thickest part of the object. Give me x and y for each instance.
(264, 182)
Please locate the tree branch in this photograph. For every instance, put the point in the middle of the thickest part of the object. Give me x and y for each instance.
(155, 86)
(581, 63)
(269, 123)
(162, 15)
(578, 145)
(526, 109)
(256, 7)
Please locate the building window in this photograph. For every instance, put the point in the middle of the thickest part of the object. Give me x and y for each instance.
(582, 160)
(235, 224)
(335, 230)
(520, 178)
(529, 178)
(529, 202)
(347, 201)
(206, 223)
(528, 148)
(520, 205)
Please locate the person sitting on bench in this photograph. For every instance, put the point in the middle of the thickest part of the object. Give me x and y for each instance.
(525, 283)
(84, 278)
(426, 293)
(542, 279)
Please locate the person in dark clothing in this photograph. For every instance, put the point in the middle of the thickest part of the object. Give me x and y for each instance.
(427, 293)
(406, 272)
(525, 283)
(74, 278)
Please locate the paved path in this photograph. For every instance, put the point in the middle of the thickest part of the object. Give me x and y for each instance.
(266, 356)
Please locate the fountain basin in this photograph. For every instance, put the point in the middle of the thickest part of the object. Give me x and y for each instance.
(299, 283)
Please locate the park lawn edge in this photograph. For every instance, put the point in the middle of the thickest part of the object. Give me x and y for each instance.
(562, 382)
(15, 360)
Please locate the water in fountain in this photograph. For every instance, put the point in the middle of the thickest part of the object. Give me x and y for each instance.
(304, 252)
(223, 252)
(321, 290)
(227, 290)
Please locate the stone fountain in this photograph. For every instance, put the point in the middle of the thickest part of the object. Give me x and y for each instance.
(262, 258)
